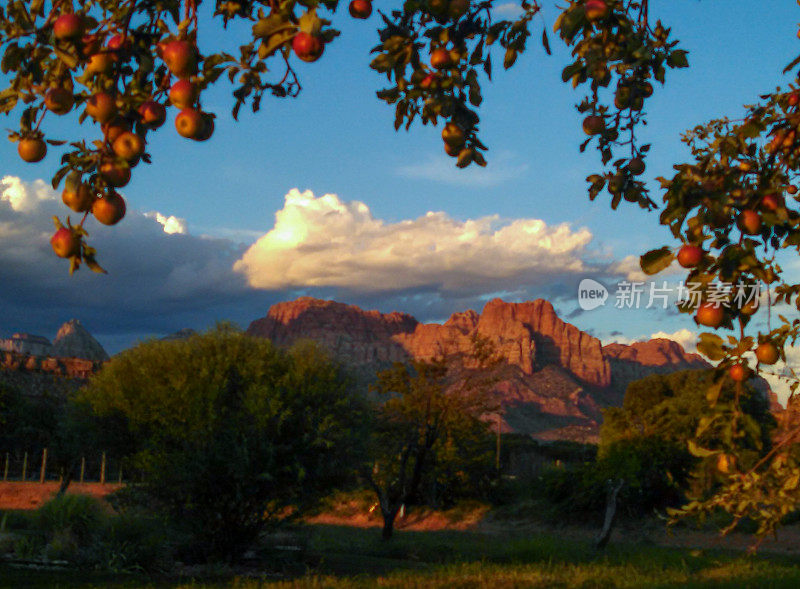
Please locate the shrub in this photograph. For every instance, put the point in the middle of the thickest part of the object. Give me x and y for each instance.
(81, 516)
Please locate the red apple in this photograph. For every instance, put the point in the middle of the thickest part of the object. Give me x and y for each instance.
(453, 135)
(115, 127)
(153, 114)
(767, 353)
(80, 199)
(110, 209)
(119, 44)
(183, 94)
(129, 146)
(636, 166)
(452, 150)
(59, 100)
(307, 47)
(429, 81)
(771, 202)
(440, 59)
(189, 123)
(180, 57)
(101, 107)
(594, 125)
(749, 222)
(360, 8)
(710, 315)
(65, 243)
(739, 372)
(68, 26)
(116, 174)
(31, 149)
(690, 256)
(207, 130)
(595, 9)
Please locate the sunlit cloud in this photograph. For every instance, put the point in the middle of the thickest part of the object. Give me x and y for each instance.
(327, 242)
(171, 223)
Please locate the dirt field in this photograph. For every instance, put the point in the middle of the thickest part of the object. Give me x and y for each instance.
(15, 495)
(647, 532)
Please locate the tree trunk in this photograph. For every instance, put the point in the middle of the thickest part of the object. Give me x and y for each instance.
(611, 511)
(66, 479)
(388, 522)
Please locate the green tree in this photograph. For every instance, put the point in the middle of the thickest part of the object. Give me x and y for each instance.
(672, 410)
(30, 423)
(230, 432)
(429, 433)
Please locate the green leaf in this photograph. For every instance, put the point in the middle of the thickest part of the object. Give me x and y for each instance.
(711, 346)
(791, 65)
(712, 394)
(696, 450)
(571, 70)
(475, 95)
(677, 59)
(510, 57)
(70, 59)
(546, 42)
(655, 261)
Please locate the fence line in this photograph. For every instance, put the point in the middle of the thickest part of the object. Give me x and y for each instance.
(16, 469)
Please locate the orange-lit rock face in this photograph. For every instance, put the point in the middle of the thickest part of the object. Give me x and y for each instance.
(551, 374)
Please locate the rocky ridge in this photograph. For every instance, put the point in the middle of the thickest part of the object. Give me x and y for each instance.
(553, 379)
(32, 364)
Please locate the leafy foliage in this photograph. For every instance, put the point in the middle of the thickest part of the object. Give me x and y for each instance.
(126, 63)
(230, 432)
(428, 434)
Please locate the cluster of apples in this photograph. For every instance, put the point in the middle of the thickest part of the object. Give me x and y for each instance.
(124, 126)
(454, 138)
(784, 138)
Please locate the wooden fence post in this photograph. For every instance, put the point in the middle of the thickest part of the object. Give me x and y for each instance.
(24, 467)
(103, 470)
(43, 472)
(83, 467)
(5, 470)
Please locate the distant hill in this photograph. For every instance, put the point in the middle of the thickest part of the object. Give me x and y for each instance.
(553, 379)
(32, 364)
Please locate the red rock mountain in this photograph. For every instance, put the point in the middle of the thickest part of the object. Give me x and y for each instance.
(32, 364)
(553, 379)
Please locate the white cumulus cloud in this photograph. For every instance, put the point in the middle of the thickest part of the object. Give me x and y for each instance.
(685, 337)
(171, 223)
(327, 242)
(24, 197)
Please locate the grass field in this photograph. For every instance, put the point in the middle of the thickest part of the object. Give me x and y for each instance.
(336, 556)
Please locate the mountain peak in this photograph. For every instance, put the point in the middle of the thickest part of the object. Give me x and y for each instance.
(74, 341)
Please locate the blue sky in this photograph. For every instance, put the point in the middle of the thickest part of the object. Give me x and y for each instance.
(337, 139)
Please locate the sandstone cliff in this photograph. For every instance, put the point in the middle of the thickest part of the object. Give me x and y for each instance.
(553, 379)
(33, 365)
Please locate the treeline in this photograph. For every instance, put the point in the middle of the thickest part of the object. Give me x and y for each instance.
(226, 435)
